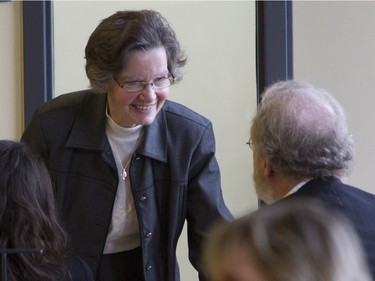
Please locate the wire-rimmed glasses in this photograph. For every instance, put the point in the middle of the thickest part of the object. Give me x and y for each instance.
(138, 86)
(250, 144)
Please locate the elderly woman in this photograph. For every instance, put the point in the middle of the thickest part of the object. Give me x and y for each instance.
(129, 166)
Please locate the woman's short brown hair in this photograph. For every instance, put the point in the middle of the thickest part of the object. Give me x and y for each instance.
(123, 32)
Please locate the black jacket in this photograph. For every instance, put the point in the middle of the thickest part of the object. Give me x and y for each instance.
(78, 269)
(174, 177)
(357, 205)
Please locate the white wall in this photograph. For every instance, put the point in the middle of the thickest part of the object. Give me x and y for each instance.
(334, 48)
(219, 78)
(11, 92)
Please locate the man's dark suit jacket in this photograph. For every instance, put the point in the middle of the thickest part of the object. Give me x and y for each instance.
(357, 205)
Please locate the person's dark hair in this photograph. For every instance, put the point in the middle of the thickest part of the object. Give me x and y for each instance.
(27, 216)
(122, 33)
(303, 130)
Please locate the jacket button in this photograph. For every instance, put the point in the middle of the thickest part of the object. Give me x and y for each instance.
(142, 198)
(148, 267)
(148, 235)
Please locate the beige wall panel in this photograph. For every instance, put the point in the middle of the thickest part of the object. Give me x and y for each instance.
(11, 107)
(334, 43)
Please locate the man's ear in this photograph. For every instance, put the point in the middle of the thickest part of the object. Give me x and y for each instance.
(267, 169)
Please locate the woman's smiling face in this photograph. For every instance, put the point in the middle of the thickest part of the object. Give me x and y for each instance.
(129, 109)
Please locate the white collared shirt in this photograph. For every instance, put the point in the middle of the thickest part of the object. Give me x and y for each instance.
(297, 187)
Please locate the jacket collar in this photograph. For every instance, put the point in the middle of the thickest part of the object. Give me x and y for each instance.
(155, 138)
(88, 130)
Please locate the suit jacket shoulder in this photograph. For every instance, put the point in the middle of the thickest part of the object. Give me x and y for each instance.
(179, 111)
(335, 193)
(356, 204)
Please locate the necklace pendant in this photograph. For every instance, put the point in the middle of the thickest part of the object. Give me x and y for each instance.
(124, 174)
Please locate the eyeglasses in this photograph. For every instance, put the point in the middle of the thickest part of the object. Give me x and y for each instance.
(138, 86)
(250, 144)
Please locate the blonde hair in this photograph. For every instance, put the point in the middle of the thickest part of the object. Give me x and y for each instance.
(291, 241)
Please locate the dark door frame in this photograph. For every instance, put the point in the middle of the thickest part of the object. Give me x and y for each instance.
(274, 49)
(37, 55)
(274, 39)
